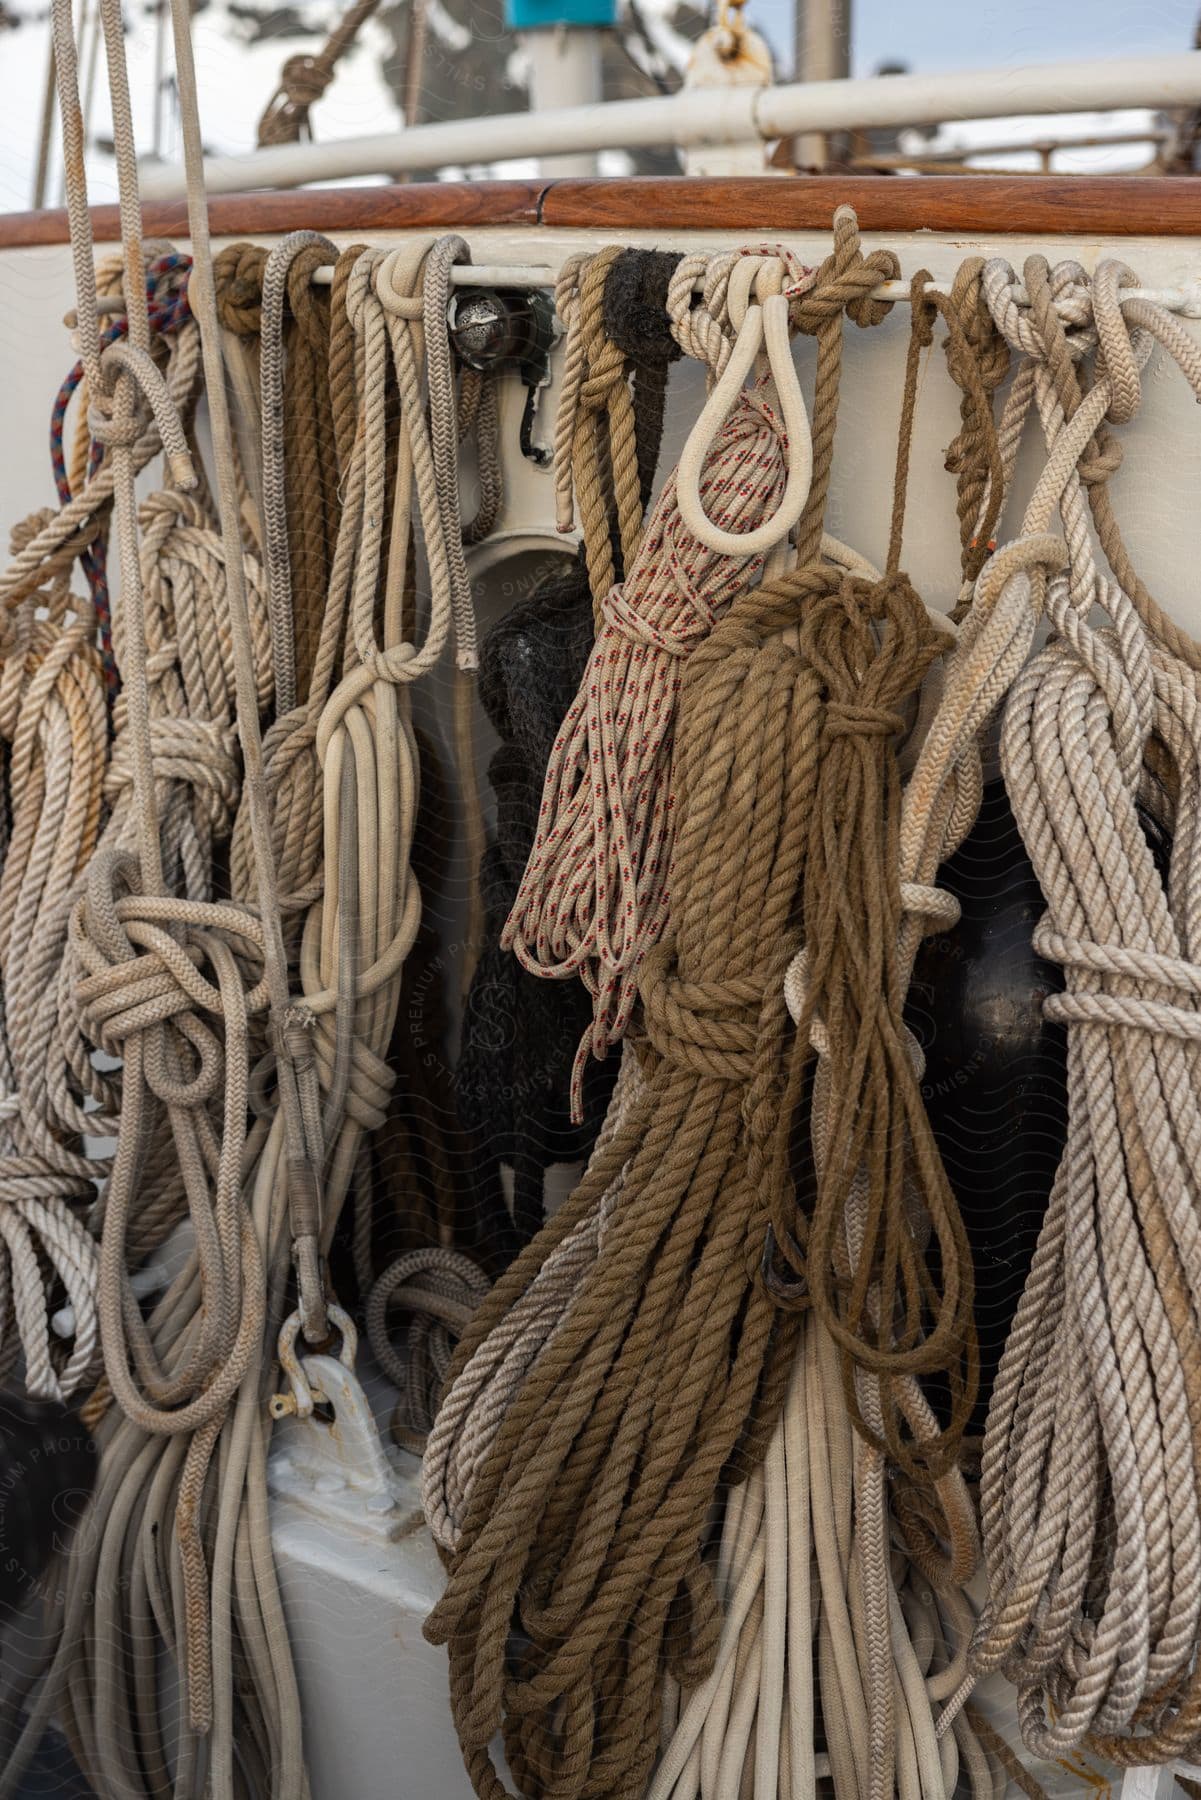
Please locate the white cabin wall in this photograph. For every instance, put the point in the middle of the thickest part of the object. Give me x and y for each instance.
(1155, 491)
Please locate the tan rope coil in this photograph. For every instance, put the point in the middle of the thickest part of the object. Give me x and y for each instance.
(593, 899)
(53, 717)
(812, 1558)
(589, 1505)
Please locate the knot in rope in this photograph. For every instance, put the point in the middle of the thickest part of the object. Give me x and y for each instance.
(845, 282)
(706, 1027)
(238, 275)
(302, 81)
(674, 637)
(200, 754)
(145, 958)
(1174, 1013)
(305, 77)
(1104, 460)
(847, 720)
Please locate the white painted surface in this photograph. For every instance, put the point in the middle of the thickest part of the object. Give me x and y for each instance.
(1155, 491)
(358, 1573)
(565, 70)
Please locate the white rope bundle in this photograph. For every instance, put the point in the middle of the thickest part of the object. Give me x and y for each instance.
(62, 784)
(1091, 1481)
(52, 714)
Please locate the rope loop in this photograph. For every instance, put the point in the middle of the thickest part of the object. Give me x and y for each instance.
(764, 328)
(153, 391)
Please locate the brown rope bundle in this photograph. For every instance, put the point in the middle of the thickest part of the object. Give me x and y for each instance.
(312, 464)
(594, 895)
(893, 1309)
(978, 362)
(587, 1516)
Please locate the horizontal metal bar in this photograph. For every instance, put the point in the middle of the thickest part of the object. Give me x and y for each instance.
(709, 116)
(1185, 299)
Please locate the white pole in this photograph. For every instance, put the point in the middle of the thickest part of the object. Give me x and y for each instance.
(710, 116)
(565, 71)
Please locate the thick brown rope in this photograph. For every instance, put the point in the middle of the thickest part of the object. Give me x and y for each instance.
(978, 362)
(238, 275)
(588, 1512)
(342, 396)
(311, 394)
(843, 286)
(604, 458)
(871, 645)
(310, 456)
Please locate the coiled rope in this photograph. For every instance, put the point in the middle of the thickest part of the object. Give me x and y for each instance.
(816, 1645)
(594, 896)
(569, 1485)
(1089, 1485)
(588, 1508)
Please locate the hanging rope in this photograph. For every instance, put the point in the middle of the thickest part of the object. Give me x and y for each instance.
(613, 1373)
(304, 78)
(593, 895)
(1093, 1434)
(873, 645)
(52, 716)
(587, 1511)
(520, 1034)
(299, 497)
(813, 1571)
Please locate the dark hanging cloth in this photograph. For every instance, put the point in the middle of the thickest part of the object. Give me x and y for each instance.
(521, 1031)
(995, 1084)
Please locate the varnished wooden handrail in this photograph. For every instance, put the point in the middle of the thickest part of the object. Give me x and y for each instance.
(1108, 206)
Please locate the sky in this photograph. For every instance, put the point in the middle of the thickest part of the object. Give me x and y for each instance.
(236, 81)
(952, 34)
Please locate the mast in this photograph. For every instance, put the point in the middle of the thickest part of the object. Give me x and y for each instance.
(821, 52)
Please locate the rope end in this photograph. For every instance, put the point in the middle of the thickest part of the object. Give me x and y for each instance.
(183, 473)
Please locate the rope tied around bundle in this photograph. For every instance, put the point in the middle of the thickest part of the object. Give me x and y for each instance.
(839, 1670)
(873, 645)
